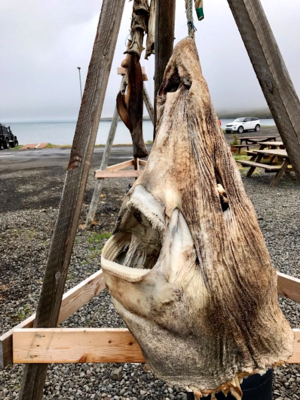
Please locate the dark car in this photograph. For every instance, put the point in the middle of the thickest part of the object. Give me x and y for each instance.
(7, 138)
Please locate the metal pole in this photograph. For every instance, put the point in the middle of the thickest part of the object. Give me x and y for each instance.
(80, 82)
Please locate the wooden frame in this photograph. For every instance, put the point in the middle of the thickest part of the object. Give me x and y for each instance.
(80, 345)
(72, 301)
(117, 170)
(56, 345)
(288, 286)
(13, 340)
(117, 174)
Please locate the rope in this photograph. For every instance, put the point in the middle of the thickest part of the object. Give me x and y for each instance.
(189, 4)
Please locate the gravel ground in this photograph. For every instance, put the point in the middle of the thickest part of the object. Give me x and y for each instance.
(25, 231)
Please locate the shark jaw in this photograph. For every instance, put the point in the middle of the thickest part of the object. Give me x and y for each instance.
(135, 249)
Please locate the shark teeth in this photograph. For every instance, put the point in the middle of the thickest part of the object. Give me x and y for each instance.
(114, 246)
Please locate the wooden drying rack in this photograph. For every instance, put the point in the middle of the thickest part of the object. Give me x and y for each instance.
(26, 345)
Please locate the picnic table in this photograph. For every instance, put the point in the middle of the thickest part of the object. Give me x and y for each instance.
(247, 140)
(257, 139)
(280, 169)
(262, 146)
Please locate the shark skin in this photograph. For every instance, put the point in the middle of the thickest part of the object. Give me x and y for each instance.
(187, 266)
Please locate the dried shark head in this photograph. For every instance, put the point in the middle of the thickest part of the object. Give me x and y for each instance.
(187, 266)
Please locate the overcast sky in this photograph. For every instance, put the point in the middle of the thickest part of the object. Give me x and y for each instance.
(43, 42)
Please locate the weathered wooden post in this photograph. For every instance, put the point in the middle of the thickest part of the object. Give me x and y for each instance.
(104, 163)
(148, 104)
(75, 184)
(271, 72)
(164, 39)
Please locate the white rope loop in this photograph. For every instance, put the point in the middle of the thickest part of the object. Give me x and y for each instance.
(189, 4)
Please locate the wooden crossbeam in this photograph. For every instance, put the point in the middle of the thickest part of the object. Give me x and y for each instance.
(75, 298)
(76, 345)
(288, 286)
(80, 345)
(117, 170)
(122, 165)
(72, 301)
(117, 174)
(295, 358)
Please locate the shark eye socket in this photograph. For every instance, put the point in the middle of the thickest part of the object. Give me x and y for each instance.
(173, 83)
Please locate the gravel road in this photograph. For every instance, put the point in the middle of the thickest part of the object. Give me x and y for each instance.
(29, 204)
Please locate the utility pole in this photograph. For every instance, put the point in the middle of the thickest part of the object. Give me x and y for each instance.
(80, 82)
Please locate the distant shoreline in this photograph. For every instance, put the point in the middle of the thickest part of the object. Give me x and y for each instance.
(222, 115)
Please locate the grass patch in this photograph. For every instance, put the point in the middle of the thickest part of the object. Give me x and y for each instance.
(70, 276)
(96, 238)
(16, 147)
(96, 242)
(240, 157)
(24, 312)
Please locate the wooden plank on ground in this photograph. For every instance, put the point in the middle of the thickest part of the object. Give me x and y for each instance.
(76, 345)
(117, 174)
(72, 301)
(288, 287)
(80, 345)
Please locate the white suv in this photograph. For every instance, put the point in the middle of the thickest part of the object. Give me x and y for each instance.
(243, 124)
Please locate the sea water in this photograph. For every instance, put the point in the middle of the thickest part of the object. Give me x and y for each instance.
(62, 133)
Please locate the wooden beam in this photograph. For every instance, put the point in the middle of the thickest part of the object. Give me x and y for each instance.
(72, 301)
(117, 174)
(288, 287)
(271, 72)
(295, 358)
(122, 165)
(75, 184)
(81, 294)
(164, 39)
(104, 162)
(79, 345)
(148, 104)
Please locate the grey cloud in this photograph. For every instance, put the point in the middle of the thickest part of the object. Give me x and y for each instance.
(42, 43)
